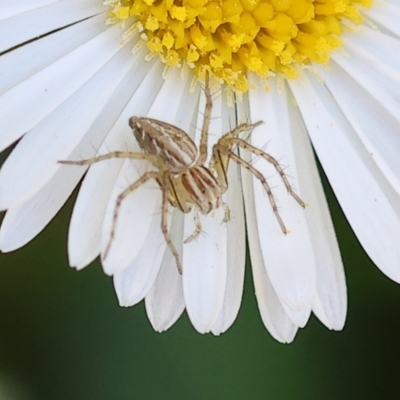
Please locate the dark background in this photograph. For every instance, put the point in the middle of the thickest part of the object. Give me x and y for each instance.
(64, 337)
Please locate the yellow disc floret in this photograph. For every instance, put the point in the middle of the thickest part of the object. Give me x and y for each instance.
(227, 38)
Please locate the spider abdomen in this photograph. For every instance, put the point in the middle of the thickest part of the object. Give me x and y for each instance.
(202, 188)
(170, 143)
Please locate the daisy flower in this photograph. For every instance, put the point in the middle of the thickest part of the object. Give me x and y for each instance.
(321, 74)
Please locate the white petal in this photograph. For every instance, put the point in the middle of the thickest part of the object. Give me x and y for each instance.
(236, 240)
(289, 259)
(22, 223)
(368, 202)
(173, 100)
(85, 226)
(90, 207)
(330, 301)
(272, 313)
(381, 46)
(30, 24)
(387, 14)
(134, 282)
(375, 127)
(32, 100)
(14, 239)
(205, 259)
(135, 216)
(10, 8)
(205, 270)
(25, 61)
(34, 161)
(165, 302)
(377, 78)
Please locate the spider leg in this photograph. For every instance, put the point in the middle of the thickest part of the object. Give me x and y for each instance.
(198, 228)
(239, 129)
(229, 153)
(113, 154)
(206, 123)
(227, 212)
(247, 146)
(164, 227)
(131, 188)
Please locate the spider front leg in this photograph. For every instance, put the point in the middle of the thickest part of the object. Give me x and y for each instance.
(228, 142)
(234, 133)
(222, 155)
(220, 159)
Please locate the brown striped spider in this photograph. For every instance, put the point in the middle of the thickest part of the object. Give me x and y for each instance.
(180, 171)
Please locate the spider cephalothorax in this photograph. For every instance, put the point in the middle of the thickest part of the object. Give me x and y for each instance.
(180, 171)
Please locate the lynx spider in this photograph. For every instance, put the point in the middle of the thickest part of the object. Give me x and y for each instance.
(186, 183)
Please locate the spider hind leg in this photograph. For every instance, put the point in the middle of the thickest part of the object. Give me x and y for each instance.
(130, 189)
(198, 228)
(164, 225)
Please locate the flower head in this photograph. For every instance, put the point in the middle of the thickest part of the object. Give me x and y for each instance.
(320, 70)
(231, 37)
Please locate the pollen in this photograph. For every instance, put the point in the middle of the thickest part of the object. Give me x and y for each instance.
(228, 38)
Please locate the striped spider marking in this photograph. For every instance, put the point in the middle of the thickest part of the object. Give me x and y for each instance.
(180, 171)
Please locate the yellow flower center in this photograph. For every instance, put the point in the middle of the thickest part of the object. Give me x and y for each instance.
(227, 38)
